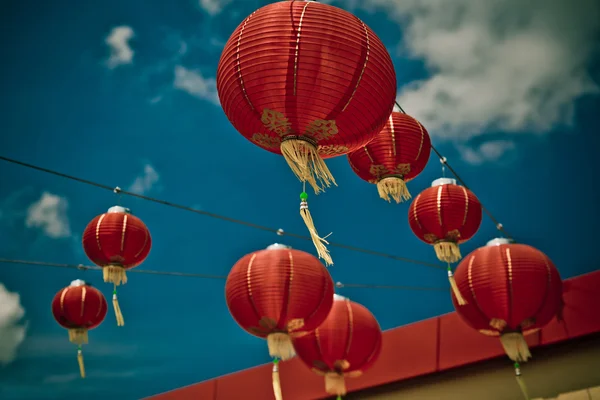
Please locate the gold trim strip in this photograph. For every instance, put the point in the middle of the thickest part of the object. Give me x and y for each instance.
(393, 133)
(239, 66)
(249, 285)
(62, 299)
(144, 245)
(368, 154)
(298, 46)
(290, 279)
(510, 288)
(98, 231)
(439, 204)
(123, 230)
(422, 138)
(350, 327)
(466, 205)
(83, 293)
(368, 42)
(415, 214)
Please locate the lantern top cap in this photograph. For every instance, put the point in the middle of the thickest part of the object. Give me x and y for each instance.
(337, 297)
(278, 246)
(119, 209)
(443, 181)
(499, 241)
(78, 282)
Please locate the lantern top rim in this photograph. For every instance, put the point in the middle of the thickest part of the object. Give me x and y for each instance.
(119, 209)
(337, 297)
(78, 282)
(499, 241)
(443, 181)
(278, 246)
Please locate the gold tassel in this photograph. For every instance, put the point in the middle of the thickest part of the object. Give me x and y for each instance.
(117, 308)
(303, 158)
(280, 346)
(335, 383)
(393, 187)
(80, 362)
(515, 346)
(114, 274)
(78, 336)
(447, 251)
(521, 382)
(318, 241)
(460, 300)
(276, 381)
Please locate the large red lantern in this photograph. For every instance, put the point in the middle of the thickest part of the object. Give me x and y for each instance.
(397, 155)
(512, 290)
(345, 345)
(308, 81)
(79, 308)
(117, 241)
(276, 294)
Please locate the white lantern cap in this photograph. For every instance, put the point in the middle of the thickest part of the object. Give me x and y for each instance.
(78, 282)
(119, 209)
(278, 246)
(499, 241)
(337, 297)
(443, 181)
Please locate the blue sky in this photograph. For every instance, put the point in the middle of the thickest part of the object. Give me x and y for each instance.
(123, 93)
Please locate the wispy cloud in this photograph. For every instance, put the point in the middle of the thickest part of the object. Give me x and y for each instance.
(12, 330)
(90, 375)
(59, 345)
(146, 181)
(194, 83)
(49, 214)
(121, 52)
(213, 7)
(491, 151)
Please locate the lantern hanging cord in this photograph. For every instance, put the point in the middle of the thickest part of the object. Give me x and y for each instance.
(205, 276)
(445, 164)
(120, 191)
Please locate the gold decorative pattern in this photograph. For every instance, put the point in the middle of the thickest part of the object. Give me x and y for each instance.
(266, 326)
(62, 299)
(262, 321)
(98, 231)
(378, 170)
(334, 150)
(402, 169)
(393, 133)
(266, 141)
(298, 46)
(350, 326)
(123, 230)
(295, 324)
(466, 204)
(489, 332)
(498, 324)
(422, 139)
(439, 204)
(415, 214)
(430, 237)
(453, 236)
(510, 278)
(529, 322)
(368, 43)
(238, 65)
(276, 122)
(83, 293)
(321, 129)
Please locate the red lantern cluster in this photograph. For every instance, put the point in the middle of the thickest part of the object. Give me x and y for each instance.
(79, 308)
(511, 290)
(117, 241)
(345, 345)
(397, 155)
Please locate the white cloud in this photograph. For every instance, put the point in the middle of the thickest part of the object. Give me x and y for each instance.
(491, 151)
(49, 214)
(145, 182)
(120, 50)
(194, 83)
(213, 7)
(12, 332)
(508, 65)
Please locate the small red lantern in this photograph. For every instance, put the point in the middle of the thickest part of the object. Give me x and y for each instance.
(277, 293)
(397, 155)
(512, 290)
(79, 308)
(117, 241)
(345, 345)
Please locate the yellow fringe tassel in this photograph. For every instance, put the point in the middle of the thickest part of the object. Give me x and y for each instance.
(280, 346)
(114, 274)
(304, 160)
(80, 362)
(276, 382)
(318, 241)
(447, 251)
(335, 384)
(459, 299)
(515, 346)
(118, 314)
(78, 336)
(393, 188)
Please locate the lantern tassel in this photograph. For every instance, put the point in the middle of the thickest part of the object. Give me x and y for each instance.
(276, 382)
(335, 383)
(280, 346)
(80, 362)
(393, 187)
(78, 336)
(318, 241)
(447, 251)
(515, 346)
(114, 274)
(521, 382)
(117, 308)
(459, 298)
(304, 160)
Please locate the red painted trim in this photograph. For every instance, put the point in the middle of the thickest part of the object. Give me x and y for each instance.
(421, 348)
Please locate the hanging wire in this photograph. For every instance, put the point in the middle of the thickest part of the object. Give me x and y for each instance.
(279, 232)
(445, 164)
(81, 267)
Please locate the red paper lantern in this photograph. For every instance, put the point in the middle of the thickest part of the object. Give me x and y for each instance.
(345, 345)
(79, 308)
(306, 80)
(397, 155)
(445, 215)
(511, 290)
(117, 241)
